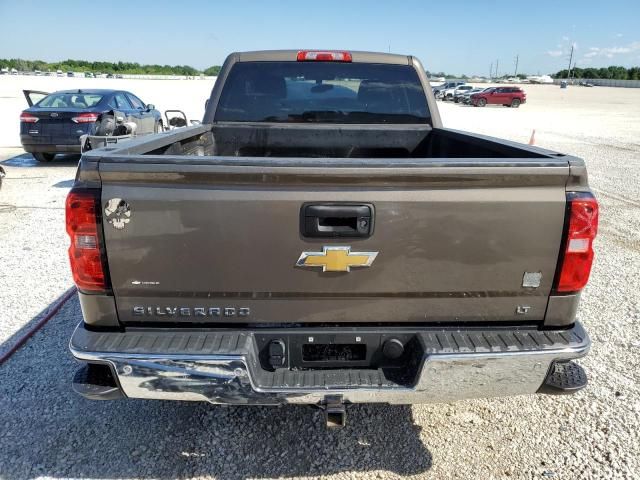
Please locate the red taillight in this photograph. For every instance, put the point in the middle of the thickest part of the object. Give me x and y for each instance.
(27, 118)
(82, 210)
(85, 118)
(577, 257)
(323, 56)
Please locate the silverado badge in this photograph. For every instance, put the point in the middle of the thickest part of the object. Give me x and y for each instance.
(336, 259)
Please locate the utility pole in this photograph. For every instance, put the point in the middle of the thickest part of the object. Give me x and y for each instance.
(491, 71)
(570, 60)
(516, 72)
(497, 67)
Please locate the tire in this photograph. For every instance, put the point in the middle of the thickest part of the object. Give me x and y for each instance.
(515, 103)
(482, 102)
(43, 157)
(106, 126)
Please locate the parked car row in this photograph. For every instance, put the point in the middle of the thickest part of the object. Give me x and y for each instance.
(460, 92)
(57, 73)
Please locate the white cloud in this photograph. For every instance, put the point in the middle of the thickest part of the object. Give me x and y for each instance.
(610, 52)
(562, 48)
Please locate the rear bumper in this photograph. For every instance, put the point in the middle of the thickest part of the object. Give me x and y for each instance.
(51, 148)
(222, 366)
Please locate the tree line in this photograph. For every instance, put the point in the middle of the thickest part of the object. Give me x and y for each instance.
(104, 67)
(612, 72)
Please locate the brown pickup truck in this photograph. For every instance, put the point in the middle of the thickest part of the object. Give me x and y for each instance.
(321, 239)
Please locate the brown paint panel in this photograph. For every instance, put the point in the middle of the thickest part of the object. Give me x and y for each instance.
(448, 250)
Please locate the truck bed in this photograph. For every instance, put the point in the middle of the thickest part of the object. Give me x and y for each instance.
(326, 141)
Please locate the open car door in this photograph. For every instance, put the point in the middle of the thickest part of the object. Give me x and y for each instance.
(34, 96)
(177, 119)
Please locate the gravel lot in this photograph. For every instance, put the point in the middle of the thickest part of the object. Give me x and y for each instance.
(48, 432)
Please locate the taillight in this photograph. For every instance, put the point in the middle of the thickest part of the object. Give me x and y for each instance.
(323, 56)
(27, 118)
(581, 230)
(85, 118)
(83, 227)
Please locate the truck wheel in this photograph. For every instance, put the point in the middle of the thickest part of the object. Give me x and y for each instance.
(482, 102)
(515, 103)
(106, 126)
(43, 157)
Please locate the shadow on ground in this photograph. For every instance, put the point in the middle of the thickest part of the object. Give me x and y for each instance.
(10, 342)
(48, 431)
(27, 160)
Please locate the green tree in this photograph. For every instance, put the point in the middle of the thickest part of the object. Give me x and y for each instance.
(102, 67)
(213, 71)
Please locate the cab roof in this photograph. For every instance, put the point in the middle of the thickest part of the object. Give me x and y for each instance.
(292, 56)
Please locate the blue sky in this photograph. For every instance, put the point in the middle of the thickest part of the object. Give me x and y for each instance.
(452, 36)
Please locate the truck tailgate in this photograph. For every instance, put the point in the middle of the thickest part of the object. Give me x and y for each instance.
(217, 240)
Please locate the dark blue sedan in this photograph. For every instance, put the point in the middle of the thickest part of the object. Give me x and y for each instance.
(54, 122)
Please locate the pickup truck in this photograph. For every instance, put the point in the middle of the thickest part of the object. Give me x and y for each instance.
(320, 238)
(439, 90)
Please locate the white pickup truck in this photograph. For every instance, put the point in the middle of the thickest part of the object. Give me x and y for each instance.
(451, 93)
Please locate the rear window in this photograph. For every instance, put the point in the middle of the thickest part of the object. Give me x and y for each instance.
(322, 92)
(69, 100)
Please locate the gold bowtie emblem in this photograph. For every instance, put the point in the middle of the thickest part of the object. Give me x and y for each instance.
(336, 259)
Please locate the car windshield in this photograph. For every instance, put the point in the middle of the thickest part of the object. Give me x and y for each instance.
(322, 92)
(69, 100)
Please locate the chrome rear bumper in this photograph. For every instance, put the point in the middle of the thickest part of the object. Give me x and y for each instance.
(223, 368)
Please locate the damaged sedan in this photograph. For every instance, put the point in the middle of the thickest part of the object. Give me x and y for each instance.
(54, 122)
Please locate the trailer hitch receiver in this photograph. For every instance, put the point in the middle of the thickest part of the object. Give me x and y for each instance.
(334, 412)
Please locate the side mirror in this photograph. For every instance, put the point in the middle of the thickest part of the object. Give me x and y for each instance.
(151, 106)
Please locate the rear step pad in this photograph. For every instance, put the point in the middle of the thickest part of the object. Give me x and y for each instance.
(564, 378)
(96, 382)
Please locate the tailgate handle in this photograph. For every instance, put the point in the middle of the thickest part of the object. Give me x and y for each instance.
(336, 220)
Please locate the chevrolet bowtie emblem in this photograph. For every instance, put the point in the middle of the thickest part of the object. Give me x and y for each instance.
(336, 259)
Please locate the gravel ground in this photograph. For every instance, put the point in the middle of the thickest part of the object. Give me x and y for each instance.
(48, 432)
(33, 241)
